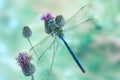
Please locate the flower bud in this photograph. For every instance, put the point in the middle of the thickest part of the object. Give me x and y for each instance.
(28, 70)
(26, 32)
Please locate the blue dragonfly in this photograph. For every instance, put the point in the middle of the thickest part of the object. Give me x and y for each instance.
(57, 29)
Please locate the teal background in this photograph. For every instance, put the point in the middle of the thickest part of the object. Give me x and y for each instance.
(99, 49)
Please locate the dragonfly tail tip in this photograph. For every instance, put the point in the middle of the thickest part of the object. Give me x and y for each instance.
(83, 71)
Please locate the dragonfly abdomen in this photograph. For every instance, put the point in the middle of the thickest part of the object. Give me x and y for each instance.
(72, 54)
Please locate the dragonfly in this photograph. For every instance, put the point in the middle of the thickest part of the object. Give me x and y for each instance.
(56, 29)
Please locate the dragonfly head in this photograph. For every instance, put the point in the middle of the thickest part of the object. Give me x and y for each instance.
(48, 19)
(51, 22)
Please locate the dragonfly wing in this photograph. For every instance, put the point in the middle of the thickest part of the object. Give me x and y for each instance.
(41, 47)
(73, 35)
(47, 68)
(41, 44)
(77, 17)
(55, 48)
(46, 49)
(83, 26)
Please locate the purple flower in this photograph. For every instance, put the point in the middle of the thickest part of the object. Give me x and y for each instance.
(24, 60)
(46, 17)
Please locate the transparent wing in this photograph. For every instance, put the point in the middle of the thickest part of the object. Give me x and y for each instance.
(77, 18)
(41, 45)
(47, 50)
(78, 26)
(55, 48)
(74, 34)
(44, 49)
(83, 26)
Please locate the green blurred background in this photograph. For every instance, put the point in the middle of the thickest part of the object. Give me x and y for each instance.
(99, 49)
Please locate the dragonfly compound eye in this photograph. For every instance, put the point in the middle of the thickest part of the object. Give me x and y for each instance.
(52, 22)
(26, 32)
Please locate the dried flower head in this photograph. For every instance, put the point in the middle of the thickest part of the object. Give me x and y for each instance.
(46, 17)
(23, 60)
(26, 32)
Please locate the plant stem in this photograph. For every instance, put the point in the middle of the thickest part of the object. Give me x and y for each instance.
(32, 77)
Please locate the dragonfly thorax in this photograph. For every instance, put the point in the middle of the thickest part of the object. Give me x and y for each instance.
(52, 27)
